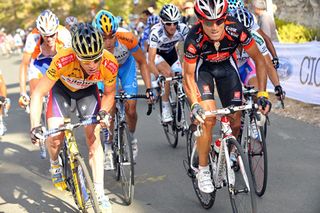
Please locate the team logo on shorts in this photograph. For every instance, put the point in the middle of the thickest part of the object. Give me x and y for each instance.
(206, 90)
(237, 95)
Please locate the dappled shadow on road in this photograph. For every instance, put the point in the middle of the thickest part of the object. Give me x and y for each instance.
(25, 193)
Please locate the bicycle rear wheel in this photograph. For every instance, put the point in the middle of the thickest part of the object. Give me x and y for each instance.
(170, 128)
(258, 161)
(126, 165)
(240, 185)
(206, 199)
(85, 195)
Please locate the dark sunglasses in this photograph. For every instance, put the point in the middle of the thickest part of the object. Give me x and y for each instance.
(86, 62)
(169, 23)
(50, 36)
(212, 22)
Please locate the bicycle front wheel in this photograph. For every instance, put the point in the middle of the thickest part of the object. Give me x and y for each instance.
(240, 185)
(85, 195)
(258, 161)
(206, 199)
(126, 165)
(170, 128)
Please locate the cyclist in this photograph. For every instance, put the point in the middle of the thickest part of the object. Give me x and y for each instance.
(73, 74)
(3, 98)
(246, 66)
(143, 42)
(124, 46)
(70, 21)
(235, 4)
(162, 53)
(208, 50)
(44, 40)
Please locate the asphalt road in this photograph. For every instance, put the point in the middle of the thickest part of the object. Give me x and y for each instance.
(161, 181)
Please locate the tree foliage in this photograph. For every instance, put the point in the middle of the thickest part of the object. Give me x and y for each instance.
(23, 13)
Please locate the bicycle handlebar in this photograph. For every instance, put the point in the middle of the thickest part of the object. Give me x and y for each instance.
(122, 96)
(231, 110)
(69, 126)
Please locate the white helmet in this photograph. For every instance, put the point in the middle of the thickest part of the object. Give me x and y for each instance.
(71, 20)
(47, 23)
(210, 9)
(170, 13)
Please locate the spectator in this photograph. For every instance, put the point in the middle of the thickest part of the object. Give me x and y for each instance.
(265, 21)
(189, 17)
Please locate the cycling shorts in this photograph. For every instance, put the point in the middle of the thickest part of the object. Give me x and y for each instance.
(226, 77)
(38, 68)
(59, 103)
(171, 58)
(247, 71)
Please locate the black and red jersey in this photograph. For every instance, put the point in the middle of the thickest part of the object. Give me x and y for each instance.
(198, 44)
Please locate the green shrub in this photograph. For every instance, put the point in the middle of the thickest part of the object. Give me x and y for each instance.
(290, 32)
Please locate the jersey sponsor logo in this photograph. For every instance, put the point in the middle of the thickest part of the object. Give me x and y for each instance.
(232, 31)
(243, 36)
(191, 49)
(128, 39)
(78, 83)
(218, 56)
(110, 65)
(64, 60)
(52, 72)
(199, 38)
(168, 45)
(154, 38)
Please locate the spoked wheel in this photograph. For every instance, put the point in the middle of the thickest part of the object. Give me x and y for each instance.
(85, 195)
(126, 166)
(170, 128)
(206, 199)
(240, 185)
(258, 161)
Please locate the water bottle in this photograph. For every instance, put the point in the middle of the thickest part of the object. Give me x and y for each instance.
(217, 145)
(254, 130)
(43, 151)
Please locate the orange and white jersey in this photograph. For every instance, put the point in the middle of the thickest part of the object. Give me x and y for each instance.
(66, 67)
(33, 39)
(126, 44)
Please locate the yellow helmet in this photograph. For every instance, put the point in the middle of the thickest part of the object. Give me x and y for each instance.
(106, 22)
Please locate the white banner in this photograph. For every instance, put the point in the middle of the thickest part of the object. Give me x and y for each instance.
(299, 71)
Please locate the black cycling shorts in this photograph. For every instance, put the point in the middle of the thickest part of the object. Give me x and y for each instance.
(227, 80)
(170, 57)
(87, 101)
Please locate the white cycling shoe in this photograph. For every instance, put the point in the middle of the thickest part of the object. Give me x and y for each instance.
(204, 181)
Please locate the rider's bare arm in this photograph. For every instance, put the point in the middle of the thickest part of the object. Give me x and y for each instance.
(189, 83)
(269, 43)
(259, 61)
(26, 57)
(141, 60)
(107, 101)
(43, 87)
(151, 58)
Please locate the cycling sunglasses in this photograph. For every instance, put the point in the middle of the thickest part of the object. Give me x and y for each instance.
(49, 36)
(87, 62)
(170, 23)
(210, 23)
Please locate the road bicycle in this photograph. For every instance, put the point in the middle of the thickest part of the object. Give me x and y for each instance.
(78, 179)
(253, 141)
(122, 147)
(178, 104)
(236, 176)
